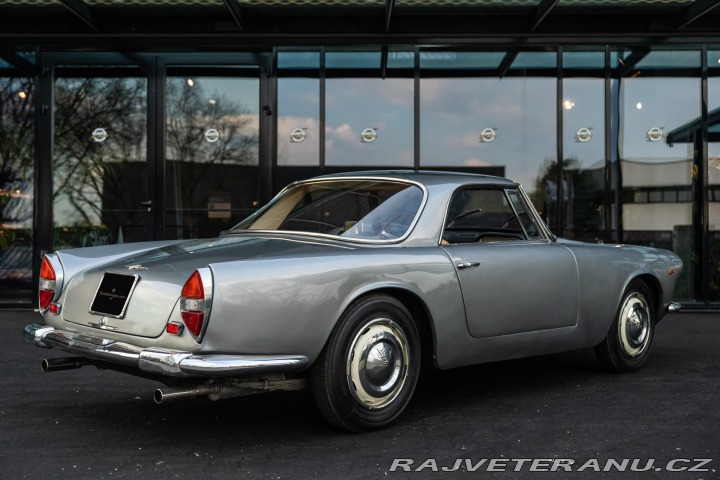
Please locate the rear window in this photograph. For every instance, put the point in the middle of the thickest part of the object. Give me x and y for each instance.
(356, 209)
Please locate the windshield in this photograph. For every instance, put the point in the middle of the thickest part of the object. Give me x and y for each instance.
(361, 209)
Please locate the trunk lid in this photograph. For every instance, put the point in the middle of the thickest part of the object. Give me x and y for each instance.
(140, 292)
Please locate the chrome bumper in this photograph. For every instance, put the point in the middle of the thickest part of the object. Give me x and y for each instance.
(160, 361)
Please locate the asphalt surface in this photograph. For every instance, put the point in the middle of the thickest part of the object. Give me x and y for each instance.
(96, 424)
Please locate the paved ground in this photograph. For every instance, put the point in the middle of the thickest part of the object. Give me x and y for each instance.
(104, 425)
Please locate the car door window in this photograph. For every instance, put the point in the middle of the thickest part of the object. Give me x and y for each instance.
(486, 215)
(526, 221)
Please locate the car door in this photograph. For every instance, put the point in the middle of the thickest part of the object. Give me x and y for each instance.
(514, 278)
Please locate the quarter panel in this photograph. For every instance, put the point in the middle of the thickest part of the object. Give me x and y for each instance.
(282, 306)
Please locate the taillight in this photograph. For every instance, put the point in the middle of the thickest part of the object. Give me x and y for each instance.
(195, 301)
(46, 289)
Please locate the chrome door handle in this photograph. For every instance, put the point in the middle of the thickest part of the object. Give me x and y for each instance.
(461, 265)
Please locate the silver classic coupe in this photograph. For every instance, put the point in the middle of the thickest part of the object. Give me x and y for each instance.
(346, 285)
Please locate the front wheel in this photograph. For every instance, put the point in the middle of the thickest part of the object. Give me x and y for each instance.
(627, 344)
(367, 372)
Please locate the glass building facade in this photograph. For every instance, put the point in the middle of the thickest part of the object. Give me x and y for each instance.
(612, 143)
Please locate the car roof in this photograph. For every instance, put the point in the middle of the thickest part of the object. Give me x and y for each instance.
(426, 177)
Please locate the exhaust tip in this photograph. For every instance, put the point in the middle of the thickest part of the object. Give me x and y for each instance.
(45, 365)
(158, 396)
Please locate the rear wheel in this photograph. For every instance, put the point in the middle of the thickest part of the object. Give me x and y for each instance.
(367, 372)
(627, 344)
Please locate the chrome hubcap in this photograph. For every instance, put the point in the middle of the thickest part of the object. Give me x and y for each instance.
(634, 325)
(377, 363)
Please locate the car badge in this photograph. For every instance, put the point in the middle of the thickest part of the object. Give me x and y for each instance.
(99, 135)
(136, 267)
(655, 134)
(583, 135)
(369, 135)
(298, 135)
(212, 135)
(488, 135)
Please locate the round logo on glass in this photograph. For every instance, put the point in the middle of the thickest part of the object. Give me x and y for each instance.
(99, 135)
(487, 135)
(583, 135)
(368, 135)
(298, 135)
(655, 134)
(212, 135)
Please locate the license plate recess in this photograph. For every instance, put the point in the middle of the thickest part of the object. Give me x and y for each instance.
(113, 294)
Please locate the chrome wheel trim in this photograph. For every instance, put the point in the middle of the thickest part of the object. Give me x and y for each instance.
(377, 363)
(634, 325)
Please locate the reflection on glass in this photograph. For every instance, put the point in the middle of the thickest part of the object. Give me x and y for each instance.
(352, 60)
(650, 165)
(584, 60)
(356, 104)
(16, 187)
(99, 167)
(298, 60)
(714, 174)
(298, 109)
(212, 154)
(584, 162)
(454, 112)
(363, 210)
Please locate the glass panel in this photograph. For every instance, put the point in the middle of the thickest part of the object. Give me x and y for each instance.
(646, 61)
(352, 60)
(401, 59)
(358, 209)
(99, 164)
(526, 220)
(499, 126)
(298, 137)
(17, 129)
(465, 3)
(671, 59)
(154, 2)
(584, 162)
(481, 215)
(651, 109)
(298, 121)
(460, 60)
(535, 60)
(298, 60)
(369, 122)
(584, 60)
(211, 154)
(714, 173)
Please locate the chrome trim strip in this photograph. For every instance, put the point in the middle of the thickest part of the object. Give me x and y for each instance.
(224, 365)
(161, 361)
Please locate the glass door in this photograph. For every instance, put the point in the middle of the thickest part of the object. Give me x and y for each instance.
(658, 95)
(100, 168)
(212, 149)
(17, 126)
(584, 200)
